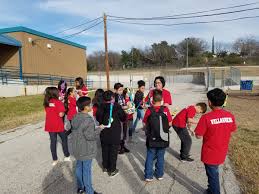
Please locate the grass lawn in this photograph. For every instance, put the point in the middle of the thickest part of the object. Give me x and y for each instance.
(17, 111)
(244, 147)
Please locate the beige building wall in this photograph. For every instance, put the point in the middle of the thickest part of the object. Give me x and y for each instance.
(61, 59)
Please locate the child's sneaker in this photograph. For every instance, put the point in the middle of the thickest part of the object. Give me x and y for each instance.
(55, 162)
(160, 178)
(114, 173)
(105, 170)
(148, 180)
(67, 159)
(121, 151)
(187, 159)
(126, 150)
(80, 191)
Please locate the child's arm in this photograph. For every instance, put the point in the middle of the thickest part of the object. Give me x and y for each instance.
(201, 128)
(61, 114)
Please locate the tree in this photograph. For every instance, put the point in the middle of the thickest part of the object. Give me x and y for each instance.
(247, 46)
(163, 53)
(196, 46)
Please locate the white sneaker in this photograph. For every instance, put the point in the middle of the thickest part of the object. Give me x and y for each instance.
(55, 162)
(67, 159)
(160, 178)
(148, 180)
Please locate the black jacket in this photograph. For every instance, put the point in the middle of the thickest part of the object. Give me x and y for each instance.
(138, 99)
(111, 135)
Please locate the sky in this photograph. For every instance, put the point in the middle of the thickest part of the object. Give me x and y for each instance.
(52, 16)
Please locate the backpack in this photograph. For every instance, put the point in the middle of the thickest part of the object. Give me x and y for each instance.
(157, 129)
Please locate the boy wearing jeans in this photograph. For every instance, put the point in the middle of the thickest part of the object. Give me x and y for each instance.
(215, 127)
(157, 121)
(138, 101)
(84, 145)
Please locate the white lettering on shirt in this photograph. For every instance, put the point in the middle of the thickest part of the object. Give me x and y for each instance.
(221, 120)
(51, 104)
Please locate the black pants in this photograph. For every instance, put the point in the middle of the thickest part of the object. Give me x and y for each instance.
(53, 144)
(109, 154)
(186, 141)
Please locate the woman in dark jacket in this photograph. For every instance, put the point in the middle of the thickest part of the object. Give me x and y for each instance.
(110, 137)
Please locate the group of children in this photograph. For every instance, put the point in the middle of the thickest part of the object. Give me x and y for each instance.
(113, 120)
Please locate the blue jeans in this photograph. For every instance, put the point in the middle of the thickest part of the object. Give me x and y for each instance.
(152, 154)
(84, 175)
(140, 115)
(212, 172)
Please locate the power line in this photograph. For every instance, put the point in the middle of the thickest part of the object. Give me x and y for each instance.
(184, 14)
(88, 28)
(186, 23)
(82, 24)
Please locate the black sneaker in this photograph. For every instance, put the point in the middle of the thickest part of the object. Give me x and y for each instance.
(187, 159)
(105, 170)
(126, 150)
(80, 191)
(96, 192)
(114, 173)
(122, 151)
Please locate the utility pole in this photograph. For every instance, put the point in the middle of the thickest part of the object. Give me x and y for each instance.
(187, 54)
(107, 67)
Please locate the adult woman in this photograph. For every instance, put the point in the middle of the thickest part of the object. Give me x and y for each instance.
(159, 83)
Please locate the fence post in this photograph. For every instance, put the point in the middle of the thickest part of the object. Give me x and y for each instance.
(38, 79)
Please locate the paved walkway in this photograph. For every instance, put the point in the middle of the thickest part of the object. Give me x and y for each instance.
(25, 163)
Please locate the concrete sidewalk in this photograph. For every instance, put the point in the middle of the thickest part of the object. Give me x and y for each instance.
(25, 163)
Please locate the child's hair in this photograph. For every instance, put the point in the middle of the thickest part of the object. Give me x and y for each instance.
(157, 95)
(108, 95)
(162, 79)
(50, 93)
(216, 97)
(141, 83)
(69, 91)
(82, 102)
(117, 86)
(125, 91)
(203, 106)
(98, 97)
(62, 86)
(80, 81)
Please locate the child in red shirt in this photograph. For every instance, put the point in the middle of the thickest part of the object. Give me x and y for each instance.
(182, 124)
(54, 124)
(70, 106)
(215, 127)
(129, 122)
(156, 145)
(81, 89)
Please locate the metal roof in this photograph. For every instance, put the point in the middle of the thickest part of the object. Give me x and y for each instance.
(41, 34)
(4, 39)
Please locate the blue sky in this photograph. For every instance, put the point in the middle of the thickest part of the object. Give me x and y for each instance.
(51, 16)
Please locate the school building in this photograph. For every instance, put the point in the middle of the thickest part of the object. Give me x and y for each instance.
(35, 52)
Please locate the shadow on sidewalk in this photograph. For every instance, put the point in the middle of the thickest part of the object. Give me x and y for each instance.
(60, 179)
(139, 153)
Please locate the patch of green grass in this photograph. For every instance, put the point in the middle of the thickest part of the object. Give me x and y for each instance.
(16, 111)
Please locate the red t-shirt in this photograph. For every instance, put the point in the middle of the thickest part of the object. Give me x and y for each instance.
(166, 112)
(54, 123)
(180, 119)
(71, 108)
(94, 110)
(84, 90)
(166, 97)
(215, 127)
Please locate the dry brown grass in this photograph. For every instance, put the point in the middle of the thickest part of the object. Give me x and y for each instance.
(244, 147)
